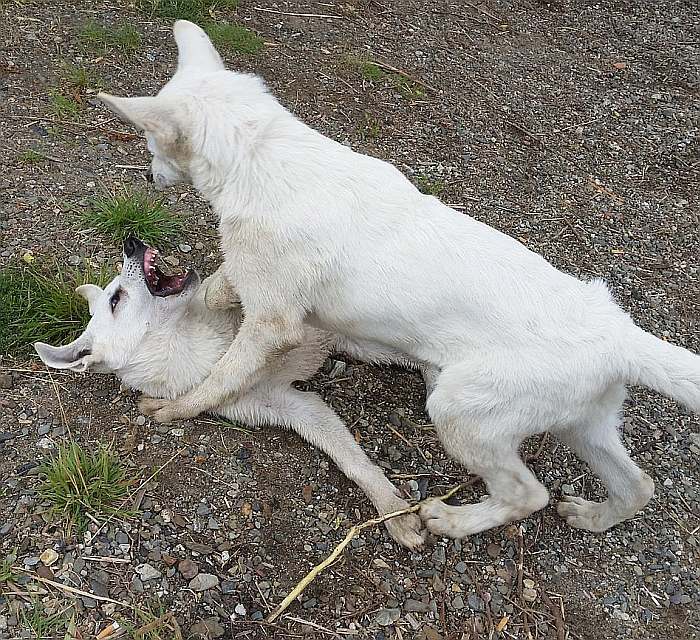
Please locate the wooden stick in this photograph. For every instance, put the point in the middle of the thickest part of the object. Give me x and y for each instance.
(301, 15)
(311, 576)
(388, 67)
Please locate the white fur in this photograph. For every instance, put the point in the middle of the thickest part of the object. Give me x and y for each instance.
(166, 346)
(315, 233)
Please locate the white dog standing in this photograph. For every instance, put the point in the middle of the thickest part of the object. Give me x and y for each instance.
(163, 334)
(313, 232)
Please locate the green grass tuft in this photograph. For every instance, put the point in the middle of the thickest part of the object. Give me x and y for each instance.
(127, 213)
(123, 37)
(192, 10)
(6, 572)
(79, 482)
(38, 303)
(31, 156)
(428, 186)
(41, 624)
(234, 37)
(81, 77)
(65, 107)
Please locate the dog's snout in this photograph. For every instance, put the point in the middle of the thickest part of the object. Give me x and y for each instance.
(149, 175)
(131, 244)
(84, 352)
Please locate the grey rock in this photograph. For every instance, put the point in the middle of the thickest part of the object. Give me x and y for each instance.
(203, 582)
(228, 588)
(386, 617)
(415, 606)
(148, 572)
(188, 569)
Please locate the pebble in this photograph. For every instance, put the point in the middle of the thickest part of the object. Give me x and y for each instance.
(228, 587)
(185, 248)
(239, 610)
(386, 617)
(188, 569)
(148, 572)
(415, 606)
(203, 582)
(48, 557)
(5, 381)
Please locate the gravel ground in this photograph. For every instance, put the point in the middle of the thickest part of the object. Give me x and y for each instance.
(570, 125)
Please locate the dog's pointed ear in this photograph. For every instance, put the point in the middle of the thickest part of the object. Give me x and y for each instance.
(195, 52)
(75, 356)
(162, 116)
(91, 293)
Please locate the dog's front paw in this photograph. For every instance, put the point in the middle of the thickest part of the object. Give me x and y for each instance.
(163, 410)
(408, 531)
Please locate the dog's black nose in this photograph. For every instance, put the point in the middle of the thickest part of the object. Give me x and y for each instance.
(149, 175)
(131, 245)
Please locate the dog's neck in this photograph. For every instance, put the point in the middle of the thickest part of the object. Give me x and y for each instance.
(250, 167)
(172, 360)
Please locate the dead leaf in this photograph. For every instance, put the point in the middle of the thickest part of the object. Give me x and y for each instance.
(620, 65)
(247, 509)
(502, 624)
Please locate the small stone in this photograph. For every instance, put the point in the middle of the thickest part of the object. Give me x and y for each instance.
(188, 569)
(529, 595)
(415, 606)
(239, 610)
(620, 615)
(148, 572)
(475, 602)
(461, 567)
(74, 260)
(204, 582)
(207, 629)
(140, 420)
(203, 509)
(228, 588)
(386, 617)
(493, 550)
(5, 381)
(528, 584)
(185, 248)
(458, 603)
(48, 557)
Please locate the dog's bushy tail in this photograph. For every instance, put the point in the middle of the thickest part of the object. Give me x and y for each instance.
(664, 367)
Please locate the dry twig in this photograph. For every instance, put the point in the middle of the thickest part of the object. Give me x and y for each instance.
(355, 530)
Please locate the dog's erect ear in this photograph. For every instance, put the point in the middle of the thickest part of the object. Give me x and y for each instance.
(195, 51)
(76, 356)
(91, 293)
(162, 116)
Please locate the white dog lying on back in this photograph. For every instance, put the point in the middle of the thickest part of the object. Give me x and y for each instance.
(163, 334)
(313, 232)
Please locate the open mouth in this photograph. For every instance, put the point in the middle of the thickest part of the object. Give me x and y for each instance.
(159, 283)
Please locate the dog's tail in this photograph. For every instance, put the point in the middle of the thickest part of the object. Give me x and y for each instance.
(664, 367)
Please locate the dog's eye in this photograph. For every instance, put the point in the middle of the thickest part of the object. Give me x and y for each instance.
(114, 300)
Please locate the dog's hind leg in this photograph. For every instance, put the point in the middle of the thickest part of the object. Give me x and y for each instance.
(598, 443)
(485, 440)
(318, 424)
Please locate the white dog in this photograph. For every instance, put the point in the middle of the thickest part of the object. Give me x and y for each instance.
(313, 232)
(163, 334)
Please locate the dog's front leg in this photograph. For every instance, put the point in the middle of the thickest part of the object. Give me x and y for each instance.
(260, 338)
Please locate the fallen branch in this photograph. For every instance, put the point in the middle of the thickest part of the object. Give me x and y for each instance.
(354, 531)
(300, 15)
(403, 74)
(123, 135)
